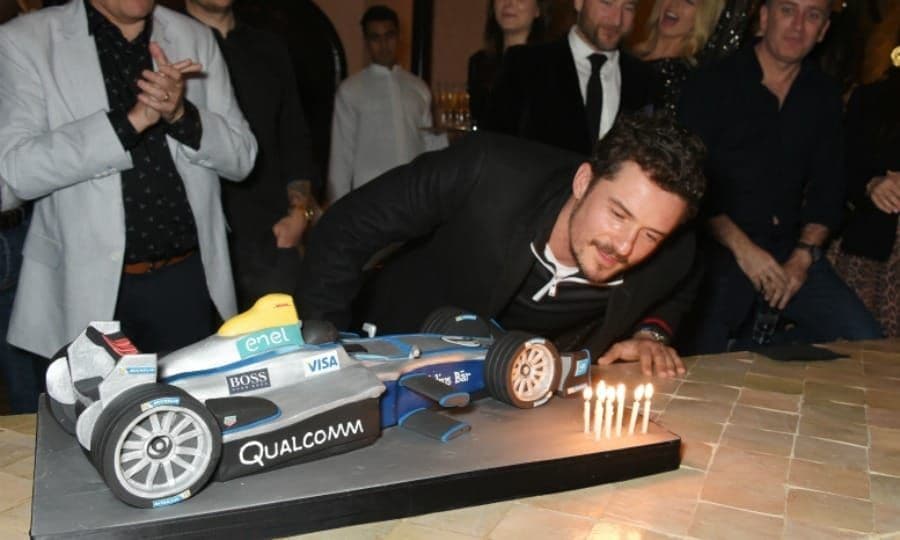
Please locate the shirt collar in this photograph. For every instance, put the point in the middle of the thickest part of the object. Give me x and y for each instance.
(99, 24)
(383, 70)
(581, 50)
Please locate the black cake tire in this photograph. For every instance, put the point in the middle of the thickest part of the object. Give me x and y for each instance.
(453, 321)
(522, 369)
(155, 445)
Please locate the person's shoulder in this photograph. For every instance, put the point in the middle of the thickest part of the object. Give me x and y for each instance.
(500, 144)
(28, 25)
(180, 24)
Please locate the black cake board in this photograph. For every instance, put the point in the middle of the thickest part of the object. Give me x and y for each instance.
(509, 453)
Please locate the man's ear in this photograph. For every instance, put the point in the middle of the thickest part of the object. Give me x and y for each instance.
(582, 180)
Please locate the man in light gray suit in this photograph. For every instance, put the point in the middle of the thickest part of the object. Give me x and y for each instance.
(121, 149)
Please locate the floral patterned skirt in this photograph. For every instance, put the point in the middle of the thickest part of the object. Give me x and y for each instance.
(877, 283)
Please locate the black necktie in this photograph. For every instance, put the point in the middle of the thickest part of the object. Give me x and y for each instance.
(594, 103)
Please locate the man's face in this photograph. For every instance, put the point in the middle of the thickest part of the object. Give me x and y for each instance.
(791, 28)
(124, 11)
(604, 23)
(381, 42)
(619, 222)
(213, 6)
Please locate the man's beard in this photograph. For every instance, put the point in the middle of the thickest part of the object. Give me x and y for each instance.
(591, 35)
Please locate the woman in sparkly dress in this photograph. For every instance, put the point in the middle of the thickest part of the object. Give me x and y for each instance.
(682, 34)
(509, 23)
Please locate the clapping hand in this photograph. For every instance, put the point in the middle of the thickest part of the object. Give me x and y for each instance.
(162, 91)
(885, 192)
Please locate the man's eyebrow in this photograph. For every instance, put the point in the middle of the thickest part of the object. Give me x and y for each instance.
(624, 209)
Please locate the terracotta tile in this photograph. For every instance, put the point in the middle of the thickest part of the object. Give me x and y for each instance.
(738, 362)
(883, 400)
(15, 491)
(851, 348)
(691, 429)
(836, 411)
(887, 519)
(16, 519)
(884, 454)
(824, 373)
(795, 530)
(788, 370)
(885, 345)
(23, 423)
(756, 440)
(817, 424)
(11, 453)
(696, 455)
(874, 382)
(607, 529)
(885, 489)
(701, 373)
(733, 460)
(712, 521)
(708, 392)
(829, 479)
(764, 419)
(773, 384)
(524, 521)
(830, 452)
(664, 502)
(366, 531)
(474, 521)
(769, 400)
(842, 365)
(410, 531)
(819, 391)
(24, 468)
(589, 502)
(828, 510)
(883, 418)
(881, 367)
(12, 533)
(630, 374)
(733, 489)
(693, 409)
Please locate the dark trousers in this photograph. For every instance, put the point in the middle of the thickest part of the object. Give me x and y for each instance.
(166, 309)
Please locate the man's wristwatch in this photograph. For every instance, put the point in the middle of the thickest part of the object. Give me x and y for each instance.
(815, 252)
(652, 333)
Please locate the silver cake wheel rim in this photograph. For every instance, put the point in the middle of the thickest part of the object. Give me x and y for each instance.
(180, 468)
(532, 372)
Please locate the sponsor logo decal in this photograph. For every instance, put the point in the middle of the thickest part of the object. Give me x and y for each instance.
(581, 366)
(256, 453)
(456, 377)
(230, 420)
(462, 341)
(146, 370)
(174, 401)
(321, 364)
(172, 500)
(249, 380)
(269, 339)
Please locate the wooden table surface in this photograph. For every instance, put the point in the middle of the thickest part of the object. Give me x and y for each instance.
(807, 450)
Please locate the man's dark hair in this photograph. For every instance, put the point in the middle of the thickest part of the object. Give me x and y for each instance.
(379, 13)
(670, 155)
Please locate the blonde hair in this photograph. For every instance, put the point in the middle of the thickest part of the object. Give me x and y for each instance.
(705, 18)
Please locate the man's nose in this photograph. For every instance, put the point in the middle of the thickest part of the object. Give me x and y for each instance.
(624, 243)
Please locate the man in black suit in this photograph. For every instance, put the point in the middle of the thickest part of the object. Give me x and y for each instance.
(586, 253)
(568, 93)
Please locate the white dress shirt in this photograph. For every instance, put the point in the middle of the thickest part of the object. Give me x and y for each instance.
(377, 125)
(610, 76)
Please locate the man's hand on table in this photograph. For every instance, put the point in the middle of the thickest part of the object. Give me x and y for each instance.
(653, 355)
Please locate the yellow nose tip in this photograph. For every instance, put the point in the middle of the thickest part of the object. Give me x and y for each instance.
(269, 311)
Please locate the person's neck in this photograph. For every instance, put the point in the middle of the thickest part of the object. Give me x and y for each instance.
(223, 21)
(778, 75)
(665, 47)
(129, 29)
(515, 38)
(559, 242)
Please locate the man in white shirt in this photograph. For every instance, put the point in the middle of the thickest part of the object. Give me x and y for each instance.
(379, 113)
(568, 93)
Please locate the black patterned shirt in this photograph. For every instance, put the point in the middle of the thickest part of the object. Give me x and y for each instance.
(159, 223)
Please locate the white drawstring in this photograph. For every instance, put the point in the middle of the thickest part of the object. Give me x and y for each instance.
(556, 278)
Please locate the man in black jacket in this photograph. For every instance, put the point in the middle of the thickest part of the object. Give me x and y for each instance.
(568, 93)
(585, 253)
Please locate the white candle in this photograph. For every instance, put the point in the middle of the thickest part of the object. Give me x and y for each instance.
(610, 403)
(648, 393)
(620, 410)
(598, 411)
(635, 407)
(587, 409)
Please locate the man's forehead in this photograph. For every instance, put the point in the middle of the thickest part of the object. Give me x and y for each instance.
(824, 5)
(380, 28)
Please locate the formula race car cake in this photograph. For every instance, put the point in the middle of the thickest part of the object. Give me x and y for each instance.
(268, 390)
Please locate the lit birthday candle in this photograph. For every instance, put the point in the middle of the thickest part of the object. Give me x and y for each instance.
(587, 409)
(648, 393)
(598, 411)
(635, 407)
(610, 403)
(620, 409)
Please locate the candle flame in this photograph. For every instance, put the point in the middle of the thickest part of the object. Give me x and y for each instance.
(587, 393)
(620, 392)
(610, 395)
(601, 387)
(648, 393)
(639, 392)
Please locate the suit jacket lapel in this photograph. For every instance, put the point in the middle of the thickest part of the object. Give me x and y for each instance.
(76, 66)
(570, 89)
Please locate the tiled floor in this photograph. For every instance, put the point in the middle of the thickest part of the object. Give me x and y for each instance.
(793, 450)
